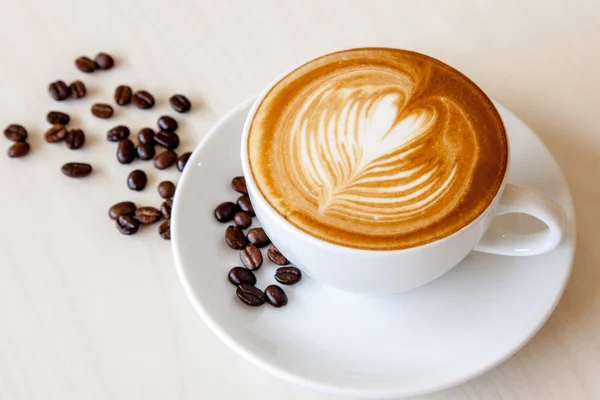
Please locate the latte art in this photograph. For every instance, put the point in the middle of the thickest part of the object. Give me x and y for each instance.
(377, 149)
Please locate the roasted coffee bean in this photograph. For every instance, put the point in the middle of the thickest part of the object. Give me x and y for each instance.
(16, 133)
(117, 133)
(167, 124)
(57, 117)
(226, 211)
(239, 275)
(143, 100)
(146, 136)
(165, 159)
(180, 103)
(288, 275)
(76, 170)
(250, 295)
(100, 110)
(276, 296)
(77, 89)
(123, 95)
(245, 205)
(165, 208)
(126, 152)
(56, 133)
(59, 90)
(145, 152)
(75, 139)
(242, 219)
(84, 64)
(147, 215)
(137, 180)
(275, 255)
(258, 237)
(164, 230)
(182, 161)
(127, 225)
(235, 238)
(122, 208)
(166, 189)
(18, 150)
(104, 61)
(169, 141)
(251, 257)
(239, 184)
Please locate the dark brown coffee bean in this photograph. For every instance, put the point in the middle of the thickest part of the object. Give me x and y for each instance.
(75, 139)
(250, 295)
(143, 100)
(245, 205)
(123, 95)
(76, 170)
(276, 296)
(126, 152)
(146, 136)
(288, 275)
(180, 103)
(239, 275)
(251, 257)
(137, 180)
(165, 159)
(84, 64)
(239, 184)
(275, 255)
(182, 161)
(77, 89)
(169, 141)
(235, 238)
(117, 133)
(164, 230)
(145, 152)
(147, 215)
(165, 208)
(167, 124)
(242, 219)
(104, 61)
(122, 208)
(258, 237)
(166, 189)
(226, 211)
(127, 225)
(56, 133)
(18, 150)
(57, 117)
(59, 90)
(100, 110)
(16, 133)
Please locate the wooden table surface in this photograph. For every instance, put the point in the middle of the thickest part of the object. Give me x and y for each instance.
(86, 313)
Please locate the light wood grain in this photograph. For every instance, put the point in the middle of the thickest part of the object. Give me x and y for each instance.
(88, 314)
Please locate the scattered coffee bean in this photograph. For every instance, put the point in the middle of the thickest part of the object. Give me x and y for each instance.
(251, 257)
(180, 103)
(137, 180)
(76, 170)
(123, 95)
(242, 219)
(122, 208)
(146, 136)
(126, 152)
(104, 61)
(16, 133)
(56, 133)
(167, 124)
(143, 100)
(250, 295)
(239, 184)
(275, 255)
(182, 161)
(145, 152)
(169, 141)
(57, 117)
(276, 296)
(258, 237)
(164, 230)
(239, 275)
(127, 225)
(84, 64)
(288, 275)
(226, 211)
(147, 215)
(18, 150)
(165, 208)
(166, 189)
(245, 205)
(75, 139)
(117, 133)
(77, 89)
(100, 110)
(165, 159)
(235, 238)
(59, 90)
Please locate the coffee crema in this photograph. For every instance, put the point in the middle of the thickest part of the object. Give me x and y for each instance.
(377, 149)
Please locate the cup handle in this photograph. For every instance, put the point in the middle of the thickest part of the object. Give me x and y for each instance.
(520, 199)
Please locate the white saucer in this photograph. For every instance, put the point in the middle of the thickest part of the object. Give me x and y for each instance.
(433, 337)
